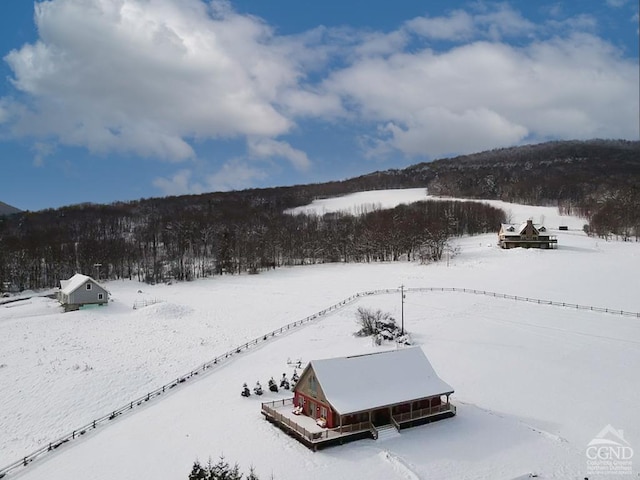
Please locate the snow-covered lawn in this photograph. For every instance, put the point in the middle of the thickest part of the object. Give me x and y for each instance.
(534, 383)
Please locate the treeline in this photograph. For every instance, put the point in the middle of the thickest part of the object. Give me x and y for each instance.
(617, 215)
(185, 238)
(596, 179)
(194, 236)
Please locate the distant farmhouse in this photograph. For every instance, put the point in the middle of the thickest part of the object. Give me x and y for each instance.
(81, 290)
(343, 399)
(526, 235)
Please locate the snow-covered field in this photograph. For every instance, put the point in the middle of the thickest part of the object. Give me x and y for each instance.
(534, 383)
(363, 202)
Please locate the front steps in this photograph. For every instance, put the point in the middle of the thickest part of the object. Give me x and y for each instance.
(386, 432)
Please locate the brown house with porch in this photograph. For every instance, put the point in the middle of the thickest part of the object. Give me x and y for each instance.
(526, 235)
(343, 399)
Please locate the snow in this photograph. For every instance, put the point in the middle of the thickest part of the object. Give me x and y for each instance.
(75, 282)
(358, 383)
(516, 229)
(534, 384)
(362, 202)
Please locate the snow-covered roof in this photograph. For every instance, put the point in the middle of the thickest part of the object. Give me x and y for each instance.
(512, 229)
(68, 286)
(354, 384)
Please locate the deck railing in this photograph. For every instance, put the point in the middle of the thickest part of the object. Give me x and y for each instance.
(422, 413)
(269, 408)
(353, 427)
(395, 423)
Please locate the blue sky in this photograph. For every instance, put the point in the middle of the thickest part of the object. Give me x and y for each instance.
(107, 100)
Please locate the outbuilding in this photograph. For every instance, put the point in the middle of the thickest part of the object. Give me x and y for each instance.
(81, 290)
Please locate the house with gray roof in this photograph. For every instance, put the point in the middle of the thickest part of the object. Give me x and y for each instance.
(81, 290)
(343, 399)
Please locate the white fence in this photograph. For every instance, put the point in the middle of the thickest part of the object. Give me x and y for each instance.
(145, 302)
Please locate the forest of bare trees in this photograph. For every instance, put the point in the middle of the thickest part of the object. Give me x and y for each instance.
(193, 236)
(160, 240)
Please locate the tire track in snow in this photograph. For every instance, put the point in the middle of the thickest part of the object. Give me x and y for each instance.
(399, 465)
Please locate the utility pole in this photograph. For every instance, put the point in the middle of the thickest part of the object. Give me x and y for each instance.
(97, 265)
(75, 247)
(402, 311)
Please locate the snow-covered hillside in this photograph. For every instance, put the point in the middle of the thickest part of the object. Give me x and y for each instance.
(534, 383)
(363, 202)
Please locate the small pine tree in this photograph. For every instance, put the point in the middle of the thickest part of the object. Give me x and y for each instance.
(252, 474)
(235, 474)
(197, 472)
(222, 471)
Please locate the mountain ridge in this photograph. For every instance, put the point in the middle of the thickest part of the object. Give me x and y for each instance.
(6, 209)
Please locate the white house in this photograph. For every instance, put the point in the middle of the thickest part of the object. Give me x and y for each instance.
(81, 290)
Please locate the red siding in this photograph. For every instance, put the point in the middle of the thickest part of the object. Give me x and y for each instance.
(307, 404)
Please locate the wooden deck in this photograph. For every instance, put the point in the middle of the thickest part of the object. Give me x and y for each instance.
(306, 431)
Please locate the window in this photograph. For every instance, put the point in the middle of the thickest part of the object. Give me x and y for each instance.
(88, 286)
(301, 401)
(323, 412)
(100, 296)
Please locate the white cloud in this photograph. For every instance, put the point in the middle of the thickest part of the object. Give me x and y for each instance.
(151, 77)
(504, 21)
(376, 43)
(489, 94)
(308, 103)
(41, 151)
(441, 129)
(235, 175)
(268, 148)
(178, 184)
(146, 76)
(617, 3)
(458, 25)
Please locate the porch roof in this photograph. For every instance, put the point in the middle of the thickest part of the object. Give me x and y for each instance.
(364, 382)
